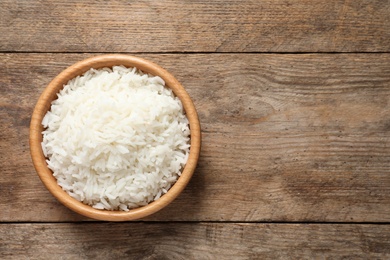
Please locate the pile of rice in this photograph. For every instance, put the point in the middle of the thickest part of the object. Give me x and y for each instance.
(116, 138)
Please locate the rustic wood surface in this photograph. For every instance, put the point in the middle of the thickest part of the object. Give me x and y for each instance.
(194, 241)
(285, 137)
(195, 26)
(294, 104)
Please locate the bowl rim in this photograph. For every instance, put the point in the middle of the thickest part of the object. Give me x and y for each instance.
(50, 93)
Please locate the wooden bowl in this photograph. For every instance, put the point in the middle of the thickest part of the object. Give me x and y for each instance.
(44, 104)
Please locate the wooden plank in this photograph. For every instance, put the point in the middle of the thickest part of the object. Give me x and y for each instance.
(194, 241)
(195, 26)
(285, 137)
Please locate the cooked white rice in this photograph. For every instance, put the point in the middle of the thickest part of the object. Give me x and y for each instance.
(116, 138)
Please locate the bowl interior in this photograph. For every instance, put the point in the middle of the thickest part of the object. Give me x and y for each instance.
(50, 94)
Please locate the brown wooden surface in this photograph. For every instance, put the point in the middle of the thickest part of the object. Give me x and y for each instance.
(285, 137)
(195, 26)
(295, 160)
(194, 241)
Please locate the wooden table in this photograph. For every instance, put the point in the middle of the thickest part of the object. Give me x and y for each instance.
(294, 102)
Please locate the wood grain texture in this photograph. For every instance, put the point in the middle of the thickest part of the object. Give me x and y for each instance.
(193, 241)
(285, 137)
(195, 26)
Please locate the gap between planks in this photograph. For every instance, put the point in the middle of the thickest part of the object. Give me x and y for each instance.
(189, 52)
(196, 222)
